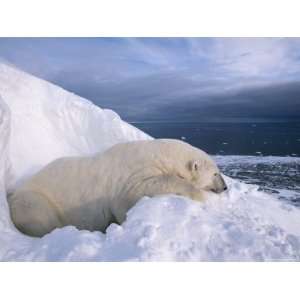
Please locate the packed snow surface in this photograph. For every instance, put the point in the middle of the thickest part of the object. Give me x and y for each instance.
(40, 122)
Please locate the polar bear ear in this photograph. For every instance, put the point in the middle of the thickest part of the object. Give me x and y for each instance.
(194, 165)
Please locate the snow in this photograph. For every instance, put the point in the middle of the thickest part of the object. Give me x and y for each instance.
(48, 122)
(40, 122)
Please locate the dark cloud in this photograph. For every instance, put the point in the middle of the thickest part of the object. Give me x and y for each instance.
(177, 96)
(272, 101)
(170, 79)
(282, 101)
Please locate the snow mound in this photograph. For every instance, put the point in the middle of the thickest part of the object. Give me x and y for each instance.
(48, 122)
(40, 122)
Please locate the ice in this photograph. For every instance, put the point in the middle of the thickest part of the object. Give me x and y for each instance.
(40, 122)
(48, 122)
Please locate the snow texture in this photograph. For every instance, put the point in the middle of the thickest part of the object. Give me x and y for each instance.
(40, 122)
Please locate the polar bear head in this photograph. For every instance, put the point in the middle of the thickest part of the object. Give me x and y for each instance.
(206, 175)
(194, 165)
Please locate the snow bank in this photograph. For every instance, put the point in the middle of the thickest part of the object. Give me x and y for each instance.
(48, 122)
(40, 122)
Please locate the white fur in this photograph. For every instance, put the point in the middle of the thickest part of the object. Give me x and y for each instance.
(92, 192)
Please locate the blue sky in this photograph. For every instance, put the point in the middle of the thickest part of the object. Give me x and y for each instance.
(170, 78)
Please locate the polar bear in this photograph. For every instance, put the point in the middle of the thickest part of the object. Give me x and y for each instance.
(92, 192)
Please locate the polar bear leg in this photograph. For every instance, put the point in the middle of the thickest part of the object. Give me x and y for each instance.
(158, 185)
(170, 184)
(32, 213)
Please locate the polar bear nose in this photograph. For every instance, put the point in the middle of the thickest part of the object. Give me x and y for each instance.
(219, 184)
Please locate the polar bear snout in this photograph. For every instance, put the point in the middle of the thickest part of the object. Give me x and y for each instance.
(219, 184)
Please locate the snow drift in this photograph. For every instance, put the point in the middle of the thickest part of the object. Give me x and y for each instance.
(40, 122)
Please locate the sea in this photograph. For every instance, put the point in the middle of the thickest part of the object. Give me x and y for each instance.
(277, 138)
(260, 152)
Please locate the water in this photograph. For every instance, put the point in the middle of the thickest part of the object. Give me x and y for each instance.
(252, 143)
(275, 175)
(232, 138)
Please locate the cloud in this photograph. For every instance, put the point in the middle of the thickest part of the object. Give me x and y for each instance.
(163, 77)
(257, 57)
(274, 100)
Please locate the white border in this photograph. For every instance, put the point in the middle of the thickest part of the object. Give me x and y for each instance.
(149, 18)
(149, 281)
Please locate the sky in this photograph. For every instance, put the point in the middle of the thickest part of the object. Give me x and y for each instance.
(163, 79)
